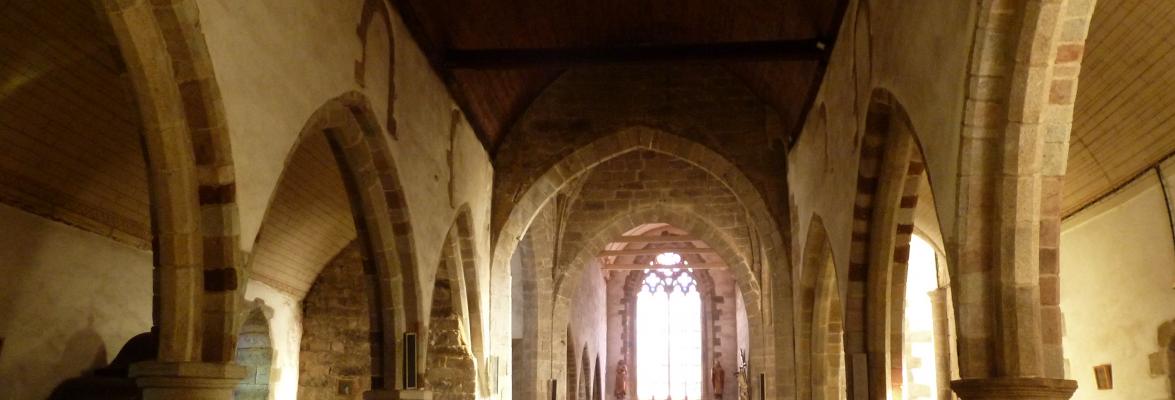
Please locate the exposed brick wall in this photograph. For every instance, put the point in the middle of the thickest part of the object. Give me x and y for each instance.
(336, 339)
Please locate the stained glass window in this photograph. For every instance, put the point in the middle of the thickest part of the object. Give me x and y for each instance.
(669, 336)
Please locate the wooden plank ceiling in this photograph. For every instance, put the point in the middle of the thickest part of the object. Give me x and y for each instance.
(69, 130)
(1124, 121)
(308, 222)
(494, 97)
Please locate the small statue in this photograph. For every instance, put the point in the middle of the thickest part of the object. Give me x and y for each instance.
(621, 391)
(718, 379)
(744, 387)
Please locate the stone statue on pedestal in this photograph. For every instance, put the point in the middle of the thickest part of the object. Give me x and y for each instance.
(718, 379)
(621, 391)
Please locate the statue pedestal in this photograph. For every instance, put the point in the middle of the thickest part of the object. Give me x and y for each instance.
(1014, 388)
(186, 380)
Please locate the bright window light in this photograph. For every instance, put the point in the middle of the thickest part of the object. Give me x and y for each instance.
(668, 259)
(669, 337)
(919, 370)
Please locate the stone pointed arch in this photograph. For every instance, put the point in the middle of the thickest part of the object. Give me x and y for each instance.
(890, 174)
(769, 251)
(820, 337)
(642, 138)
(1025, 64)
(461, 234)
(451, 369)
(192, 184)
(381, 222)
(567, 278)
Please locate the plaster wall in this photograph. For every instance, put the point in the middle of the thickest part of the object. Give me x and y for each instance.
(276, 62)
(1117, 268)
(919, 51)
(52, 325)
(284, 314)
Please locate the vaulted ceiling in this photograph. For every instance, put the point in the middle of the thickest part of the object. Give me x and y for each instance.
(1123, 117)
(497, 56)
(70, 147)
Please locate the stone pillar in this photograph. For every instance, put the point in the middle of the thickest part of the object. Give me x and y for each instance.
(1014, 388)
(186, 380)
(942, 341)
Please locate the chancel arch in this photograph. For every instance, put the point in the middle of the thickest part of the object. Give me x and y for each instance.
(766, 251)
(628, 253)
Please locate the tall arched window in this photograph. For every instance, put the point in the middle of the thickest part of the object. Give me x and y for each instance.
(669, 336)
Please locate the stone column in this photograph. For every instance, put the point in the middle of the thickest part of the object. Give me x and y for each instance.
(186, 380)
(942, 341)
(1014, 388)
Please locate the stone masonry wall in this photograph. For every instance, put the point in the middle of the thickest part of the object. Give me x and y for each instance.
(336, 348)
(255, 352)
(643, 179)
(450, 362)
(707, 105)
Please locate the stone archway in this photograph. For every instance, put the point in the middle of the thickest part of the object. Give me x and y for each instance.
(769, 250)
(380, 215)
(821, 339)
(1024, 73)
(451, 369)
(461, 235)
(890, 173)
(192, 184)
(566, 280)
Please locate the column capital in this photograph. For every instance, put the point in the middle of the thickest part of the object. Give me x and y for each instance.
(186, 380)
(1014, 388)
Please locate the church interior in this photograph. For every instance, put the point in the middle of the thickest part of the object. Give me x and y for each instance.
(587, 200)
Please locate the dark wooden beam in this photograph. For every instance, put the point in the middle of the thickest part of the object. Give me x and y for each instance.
(778, 50)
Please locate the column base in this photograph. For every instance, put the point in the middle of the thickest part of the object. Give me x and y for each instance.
(186, 380)
(1014, 388)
